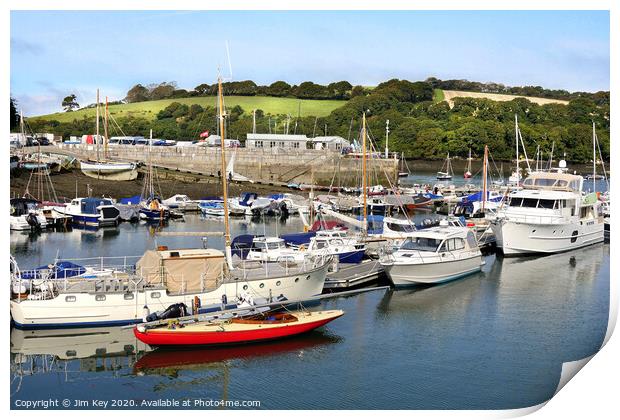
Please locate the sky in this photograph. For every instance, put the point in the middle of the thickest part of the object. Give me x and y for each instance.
(57, 53)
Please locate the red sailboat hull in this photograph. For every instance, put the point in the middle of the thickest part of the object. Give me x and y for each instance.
(254, 333)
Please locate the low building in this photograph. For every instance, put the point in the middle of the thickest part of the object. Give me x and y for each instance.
(276, 141)
(216, 141)
(335, 143)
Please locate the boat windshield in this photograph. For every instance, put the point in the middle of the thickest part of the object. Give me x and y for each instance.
(397, 227)
(421, 244)
(275, 245)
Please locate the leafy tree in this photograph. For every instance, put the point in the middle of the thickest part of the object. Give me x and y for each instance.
(162, 91)
(70, 102)
(279, 89)
(138, 93)
(202, 89)
(14, 116)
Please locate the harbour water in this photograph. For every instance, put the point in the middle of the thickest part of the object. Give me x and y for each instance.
(493, 340)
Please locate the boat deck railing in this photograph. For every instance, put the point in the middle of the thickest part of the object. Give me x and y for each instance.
(534, 219)
(253, 269)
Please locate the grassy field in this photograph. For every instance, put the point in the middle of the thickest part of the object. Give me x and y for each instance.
(449, 95)
(438, 95)
(274, 106)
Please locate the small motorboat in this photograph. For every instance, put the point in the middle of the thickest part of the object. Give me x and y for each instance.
(261, 327)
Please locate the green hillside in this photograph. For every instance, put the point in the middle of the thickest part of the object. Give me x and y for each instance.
(270, 105)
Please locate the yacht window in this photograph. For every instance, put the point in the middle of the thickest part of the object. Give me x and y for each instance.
(546, 204)
(574, 185)
(471, 240)
(528, 181)
(562, 183)
(421, 244)
(275, 245)
(320, 244)
(455, 244)
(544, 182)
(515, 201)
(529, 202)
(260, 245)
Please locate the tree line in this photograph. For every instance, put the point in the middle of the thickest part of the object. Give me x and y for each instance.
(419, 127)
(306, 90)
(599, 98)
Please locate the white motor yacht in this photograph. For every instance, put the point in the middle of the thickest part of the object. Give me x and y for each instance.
(549, 214)
(433, 255)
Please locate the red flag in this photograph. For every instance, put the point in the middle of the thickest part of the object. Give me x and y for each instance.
(204, 134)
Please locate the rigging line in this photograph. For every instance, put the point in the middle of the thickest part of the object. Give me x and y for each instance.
(117, 125)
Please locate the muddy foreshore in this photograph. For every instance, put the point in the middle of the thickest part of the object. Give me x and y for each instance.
(74, 183)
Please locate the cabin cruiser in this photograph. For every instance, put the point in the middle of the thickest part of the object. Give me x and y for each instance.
(272, 249)
(434, 255)
(181, 202)
(91, 211)
(549, 214)
(336, 242)
(127, 292)
(26, 215)
(324, 242)
(215, 207)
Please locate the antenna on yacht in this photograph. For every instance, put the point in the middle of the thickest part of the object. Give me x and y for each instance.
(593, 156)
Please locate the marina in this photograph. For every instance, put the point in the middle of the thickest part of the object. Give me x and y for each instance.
(291, 245)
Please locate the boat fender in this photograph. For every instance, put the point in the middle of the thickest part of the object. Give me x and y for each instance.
(32, 220)
(145, 313)
(224, 299)
(196, 304)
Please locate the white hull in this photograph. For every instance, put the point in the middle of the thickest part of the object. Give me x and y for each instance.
(117, 309)
(110, 171)
(403, 274)
(20, 222)
(515, 238)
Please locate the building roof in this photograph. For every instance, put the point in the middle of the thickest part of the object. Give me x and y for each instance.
(329, 139)
(277, 137)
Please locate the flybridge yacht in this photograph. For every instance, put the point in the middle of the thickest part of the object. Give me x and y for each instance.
(550, 214)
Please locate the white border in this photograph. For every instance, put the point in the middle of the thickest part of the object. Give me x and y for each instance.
(592, 394)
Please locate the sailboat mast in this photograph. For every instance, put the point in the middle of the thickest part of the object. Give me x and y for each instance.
(364, 181)
(484, 176)
(387, 133)
(97, 130)
(105, 130)
(223, 170)
(150, 183)
(593, 157)
(517, 142)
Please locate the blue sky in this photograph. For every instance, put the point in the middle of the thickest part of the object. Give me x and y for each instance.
(55, 53)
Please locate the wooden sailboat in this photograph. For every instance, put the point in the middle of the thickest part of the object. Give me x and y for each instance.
(151, 207)
(260, 327)
(108, 170)
(467, 173)
(441, 175)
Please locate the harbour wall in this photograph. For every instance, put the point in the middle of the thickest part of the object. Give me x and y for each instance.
(319, 167)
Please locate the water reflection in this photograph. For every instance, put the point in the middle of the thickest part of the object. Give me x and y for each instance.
(170, 362)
